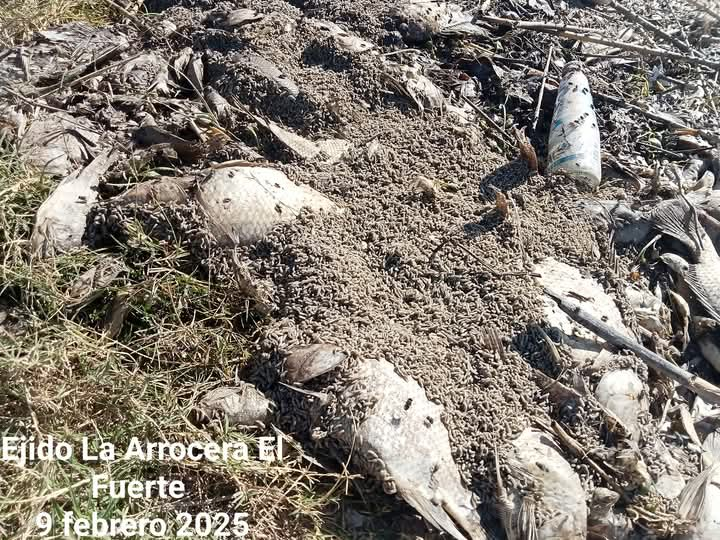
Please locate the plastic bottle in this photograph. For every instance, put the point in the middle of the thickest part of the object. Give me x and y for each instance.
(574, 146)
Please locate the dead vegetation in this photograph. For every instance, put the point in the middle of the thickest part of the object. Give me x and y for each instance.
(63, 375)
(20, 18)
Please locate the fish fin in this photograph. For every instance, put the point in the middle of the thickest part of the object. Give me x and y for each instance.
(525, 524)
(692, 498)
(677, 218)
(434, 514)
(695, 284)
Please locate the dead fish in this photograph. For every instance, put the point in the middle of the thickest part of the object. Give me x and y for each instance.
(627, 224)
(623, 393)
(603, 522)
(56, 52)
(60, 220)
(682, 312)
(649, 310)
(343, 39)
(245, 203)
(160, 191)
(93, 282)
(243, 406)
(195, 73)
(234, 18)
(58, 142)
(149, 73)
(558, 497)
(678, 219)
(306, 363)
(397, 435)
(711, 448)
(180, 64)
(700, 506)
(706, 333)
(332, 150)
(410, 81)
(584, 344)
(421, 20)
(268, 70)
(667, 480)
(151, 135)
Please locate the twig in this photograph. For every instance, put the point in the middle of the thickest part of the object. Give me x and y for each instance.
(507, 139)
(537, 26)
(650, 26)
(701, 387)
(570, 32)
(705, 9)
(46, 91)
(542, 89)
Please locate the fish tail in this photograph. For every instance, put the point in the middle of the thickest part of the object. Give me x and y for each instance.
(678, 218)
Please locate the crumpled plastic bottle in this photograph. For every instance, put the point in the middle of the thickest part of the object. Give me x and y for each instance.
(574, 146)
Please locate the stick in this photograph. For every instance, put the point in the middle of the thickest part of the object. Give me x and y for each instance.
(650, 26)
(506, 137)
(542, 89)
(47, 90)
(571, 32)
(701, 387)
(705, 9)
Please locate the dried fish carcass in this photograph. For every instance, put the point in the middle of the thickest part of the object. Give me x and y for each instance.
(574, 145)
(421, 20)
(245, 203)
(650, 312)
(57, 52)
(306, 363)
(558, 276)
(603, 522)
(554, 505)
(267, 70)
(343, 39)
(147, 72)
(58, 142)
(700, 506)
(161, 191)
(397, 435)
(623, 393)
(410, 81)
(243, 406)
(60, 220)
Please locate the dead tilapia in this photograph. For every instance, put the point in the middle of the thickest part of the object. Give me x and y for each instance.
(679, 219)
(421, 20)
(554, 507)
(56, 143)
(603, 522)
(245, 203)
(558, 276)
(633, 226)
(243, 406)
(623, 393)
(397, 435)
(60, 220)
(268, 70)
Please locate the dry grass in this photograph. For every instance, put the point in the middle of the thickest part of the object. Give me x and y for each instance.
(20, 18)
(62, 375)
